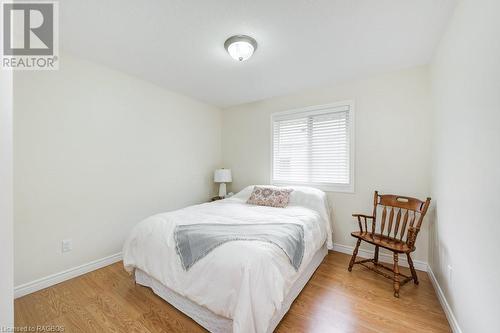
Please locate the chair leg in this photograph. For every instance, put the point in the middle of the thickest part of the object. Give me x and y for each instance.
(412, 269)
(354, 254)
(396, 276)
(375, 258)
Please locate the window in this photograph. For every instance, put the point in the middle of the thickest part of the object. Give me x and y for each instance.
(314, 147)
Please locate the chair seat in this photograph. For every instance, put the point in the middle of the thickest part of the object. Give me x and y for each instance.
(383, 241)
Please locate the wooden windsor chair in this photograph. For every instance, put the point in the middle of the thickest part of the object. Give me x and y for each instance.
(409, 213)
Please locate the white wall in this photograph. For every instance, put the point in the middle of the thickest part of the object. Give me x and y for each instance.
(6, 226)
(96, 151)
(466, 167)
(392, 142)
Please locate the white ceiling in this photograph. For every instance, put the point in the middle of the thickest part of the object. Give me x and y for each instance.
(178, 44)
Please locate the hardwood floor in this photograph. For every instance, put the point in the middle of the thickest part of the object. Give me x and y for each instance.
(334, 300)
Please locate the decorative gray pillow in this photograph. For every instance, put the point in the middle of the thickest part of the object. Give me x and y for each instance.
(270, 196)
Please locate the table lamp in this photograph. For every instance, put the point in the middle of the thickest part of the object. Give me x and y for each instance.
(222, 176)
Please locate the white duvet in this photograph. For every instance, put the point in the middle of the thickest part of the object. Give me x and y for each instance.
(241, 280)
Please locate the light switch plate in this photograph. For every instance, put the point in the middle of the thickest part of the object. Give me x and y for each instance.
(67, 245)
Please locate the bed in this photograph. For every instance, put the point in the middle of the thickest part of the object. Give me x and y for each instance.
(240, 286)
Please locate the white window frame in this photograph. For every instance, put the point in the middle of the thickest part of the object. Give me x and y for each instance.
(312, 110)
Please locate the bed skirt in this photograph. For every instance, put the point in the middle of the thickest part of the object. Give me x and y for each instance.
(215, 323)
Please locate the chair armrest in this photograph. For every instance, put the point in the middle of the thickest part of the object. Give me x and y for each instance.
(363, 215)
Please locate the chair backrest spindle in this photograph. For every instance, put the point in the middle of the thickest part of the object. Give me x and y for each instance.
(403, 227)
(391, 218)
(412, 220)
(382, 225)
(398, 220)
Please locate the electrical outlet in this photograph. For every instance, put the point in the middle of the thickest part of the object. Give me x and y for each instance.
(67, 245)
(450, 273)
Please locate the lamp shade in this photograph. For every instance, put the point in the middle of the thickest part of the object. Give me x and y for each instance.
(222, 176)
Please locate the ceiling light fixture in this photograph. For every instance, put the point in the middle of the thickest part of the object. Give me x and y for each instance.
(240, 47)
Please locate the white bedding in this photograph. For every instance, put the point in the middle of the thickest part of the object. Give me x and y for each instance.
(241, 280)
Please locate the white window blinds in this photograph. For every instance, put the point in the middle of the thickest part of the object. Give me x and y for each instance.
(313, 147)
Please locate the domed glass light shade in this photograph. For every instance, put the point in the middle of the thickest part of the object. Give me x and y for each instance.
(240, 47)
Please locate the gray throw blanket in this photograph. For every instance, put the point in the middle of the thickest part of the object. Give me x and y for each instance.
(195, 241)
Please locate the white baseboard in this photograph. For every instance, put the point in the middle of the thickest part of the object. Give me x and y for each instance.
(444, 303)
(383, 257)
(42, 283)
